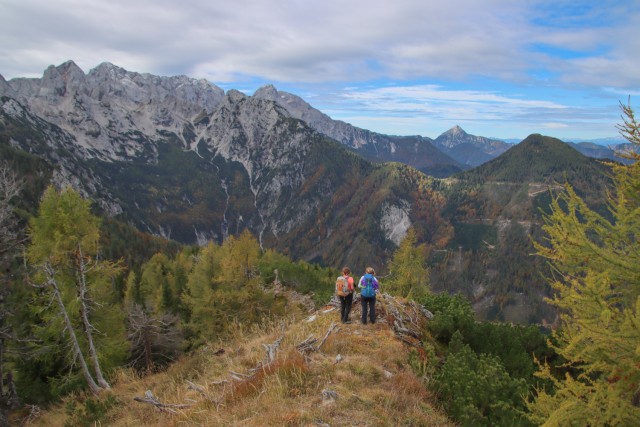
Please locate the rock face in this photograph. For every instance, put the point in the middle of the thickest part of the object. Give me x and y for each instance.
(114, 113)
(396, 221)
(179, 158)
(343, 132)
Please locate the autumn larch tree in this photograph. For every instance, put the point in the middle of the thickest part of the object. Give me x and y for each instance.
(597, 291)
(64, 250)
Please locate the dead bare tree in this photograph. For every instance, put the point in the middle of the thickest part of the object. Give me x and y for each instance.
(151, 337)
(10, 187)
(83, 293)
(75, 345)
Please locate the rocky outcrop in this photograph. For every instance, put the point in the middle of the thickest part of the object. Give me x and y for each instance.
(113, 113)
(38, 137)
(395, 221)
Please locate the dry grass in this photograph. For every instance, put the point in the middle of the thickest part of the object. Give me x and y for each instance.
(372, 382)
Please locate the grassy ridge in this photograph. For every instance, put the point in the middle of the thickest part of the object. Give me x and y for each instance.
(364, 365)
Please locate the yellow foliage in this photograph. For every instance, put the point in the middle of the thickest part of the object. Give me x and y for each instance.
(597, 261)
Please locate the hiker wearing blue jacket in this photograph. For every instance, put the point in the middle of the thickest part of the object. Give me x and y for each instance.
(369, 287)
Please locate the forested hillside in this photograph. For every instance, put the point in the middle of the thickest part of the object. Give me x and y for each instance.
(213, 331)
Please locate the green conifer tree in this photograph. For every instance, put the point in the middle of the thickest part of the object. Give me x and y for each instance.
(64, 247)
(409, 275)
(199, 295)
(597, 291)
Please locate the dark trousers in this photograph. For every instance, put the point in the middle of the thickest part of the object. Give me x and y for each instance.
(345, 307)
(368, 304)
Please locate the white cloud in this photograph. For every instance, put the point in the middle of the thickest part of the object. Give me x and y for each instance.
(444, 104)
(294, 40)
(555, 125)
(431, 109)
(337, 42)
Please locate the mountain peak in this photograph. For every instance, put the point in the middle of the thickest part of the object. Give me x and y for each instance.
(107, 66)
(455, 135)
(108, 70)
(68, 70)
(234, 95)
(267, 92)
(456, 130)
(68, 66)
(469, 149)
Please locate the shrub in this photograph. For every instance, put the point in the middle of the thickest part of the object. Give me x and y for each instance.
(477, 390)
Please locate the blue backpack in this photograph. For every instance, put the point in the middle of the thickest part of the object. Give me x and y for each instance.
(368, 290)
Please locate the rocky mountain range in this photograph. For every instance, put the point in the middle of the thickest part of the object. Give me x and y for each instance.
(179, 158)
(614, 152)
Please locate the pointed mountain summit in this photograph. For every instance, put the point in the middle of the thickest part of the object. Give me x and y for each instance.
(470, 150)
(454, 136)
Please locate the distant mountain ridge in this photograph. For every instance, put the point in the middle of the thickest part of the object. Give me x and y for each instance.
(597, 151)
(113, 112)
(496, 211)
(416, 151)
(470, 150)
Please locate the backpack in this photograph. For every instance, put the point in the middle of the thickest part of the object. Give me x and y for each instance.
(367, 290)
(342, 286)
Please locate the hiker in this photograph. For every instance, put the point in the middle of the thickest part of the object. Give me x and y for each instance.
(368, 289)
(344, 290)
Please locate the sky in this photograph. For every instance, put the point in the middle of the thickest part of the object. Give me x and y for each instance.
(497, 68)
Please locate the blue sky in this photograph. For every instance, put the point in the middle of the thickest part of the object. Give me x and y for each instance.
(498, 68)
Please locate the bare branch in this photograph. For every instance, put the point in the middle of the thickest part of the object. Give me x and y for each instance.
(10, 187)
(164, 407)
(331, 328)
(203, 393)
(273, 348)
(308, 345)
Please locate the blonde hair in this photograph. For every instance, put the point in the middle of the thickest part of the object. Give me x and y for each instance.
(346, 271)
(370, 270)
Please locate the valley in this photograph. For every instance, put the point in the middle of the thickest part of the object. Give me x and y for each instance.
(181, 159)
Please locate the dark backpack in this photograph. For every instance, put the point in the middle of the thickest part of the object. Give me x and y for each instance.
(368, 291)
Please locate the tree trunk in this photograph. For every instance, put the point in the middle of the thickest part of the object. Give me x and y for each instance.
(1, 367)
(148, 356)
(95, 388)
(86, 325)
